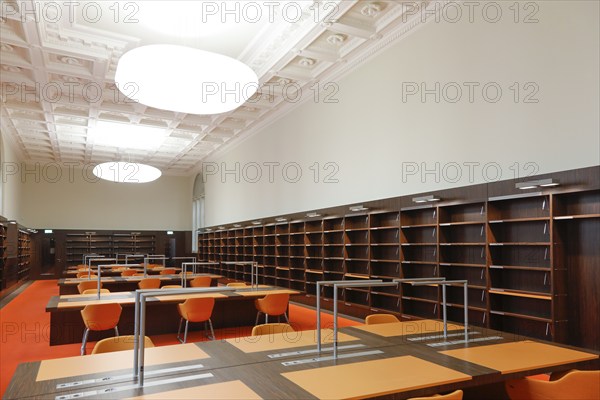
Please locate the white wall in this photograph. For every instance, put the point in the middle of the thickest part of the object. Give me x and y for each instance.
(371, 134)
(80, 201)
(10, 205)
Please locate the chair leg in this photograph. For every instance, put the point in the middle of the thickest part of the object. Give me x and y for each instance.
(186, 330)
(84, 340)
(117, 330)
(257, 315)
(286, 318)
(266, 318)
(179, 330)
(212, 332)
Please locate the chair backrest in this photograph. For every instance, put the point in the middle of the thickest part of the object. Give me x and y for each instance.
(380, 319)
(85, 285)
(149, 283)
(118, 343)
(581, 385)
(83, 274)
(99, 317)
(456, 395)
(236, 284)
(274, 304)
(118, 269)
(129, 272)
(197, 309)
(201, 281)
(168, 271)
(82, 267)
(271, 329)
(94, 291)
(171, 287)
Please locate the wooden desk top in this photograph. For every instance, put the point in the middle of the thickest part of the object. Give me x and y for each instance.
(121, 279)
(425, 326)
(519, 356)
(232, 390)
(286, 340)
(77, 302)
(379, 367)
(373, 378)
(106, 362)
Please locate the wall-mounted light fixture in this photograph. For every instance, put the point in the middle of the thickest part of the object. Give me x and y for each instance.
(313, 214)
(358, 208)
(280, 219)
(221, 227)
(237, 225)
(169, 232)
(425, 199)
(549, 182)
(256, 222)
(47, 230)
(208, 229)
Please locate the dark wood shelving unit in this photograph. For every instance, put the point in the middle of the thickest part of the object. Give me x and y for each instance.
(24, 255)
(3, 252)
(531, 259)
(107, 244)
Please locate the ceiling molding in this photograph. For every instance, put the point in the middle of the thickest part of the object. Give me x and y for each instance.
(59, 81)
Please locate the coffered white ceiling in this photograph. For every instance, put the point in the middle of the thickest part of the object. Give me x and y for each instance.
(58, 61)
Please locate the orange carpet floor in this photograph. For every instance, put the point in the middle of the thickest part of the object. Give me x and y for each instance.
(26, 330)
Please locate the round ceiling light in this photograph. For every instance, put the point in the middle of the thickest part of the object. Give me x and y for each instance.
(185, 79)
(126, 172)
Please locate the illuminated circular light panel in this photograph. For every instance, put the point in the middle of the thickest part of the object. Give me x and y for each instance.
(126, 172)
(184, 79)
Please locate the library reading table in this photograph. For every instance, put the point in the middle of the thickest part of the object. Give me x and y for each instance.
(405, 359)
(127, 283)
(232, 309)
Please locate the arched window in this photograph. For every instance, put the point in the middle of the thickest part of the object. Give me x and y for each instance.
(197, 210)
(1, 175)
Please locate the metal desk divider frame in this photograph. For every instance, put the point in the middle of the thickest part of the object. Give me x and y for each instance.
(153, 257)
(101, 259)
(128, 256)
(91, 255)
(139, 328)
(193, 264)
(439, 281)
(253, 271)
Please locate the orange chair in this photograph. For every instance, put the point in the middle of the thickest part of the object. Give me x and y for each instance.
(196, 310)
(94, 291)
(82, 267)
(236, 284)
(149, 283)
(271, 329)
(85, 285)
(201, 281)
(129, 272)
(380, 319)
(85, 274)
(456, 395)
(272, 304)
(100, 317)
(118, 343)
(580, 385)
(168, 271)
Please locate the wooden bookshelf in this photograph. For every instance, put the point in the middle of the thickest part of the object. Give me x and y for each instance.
(24, 255)
(3, 251)
(531, 259)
